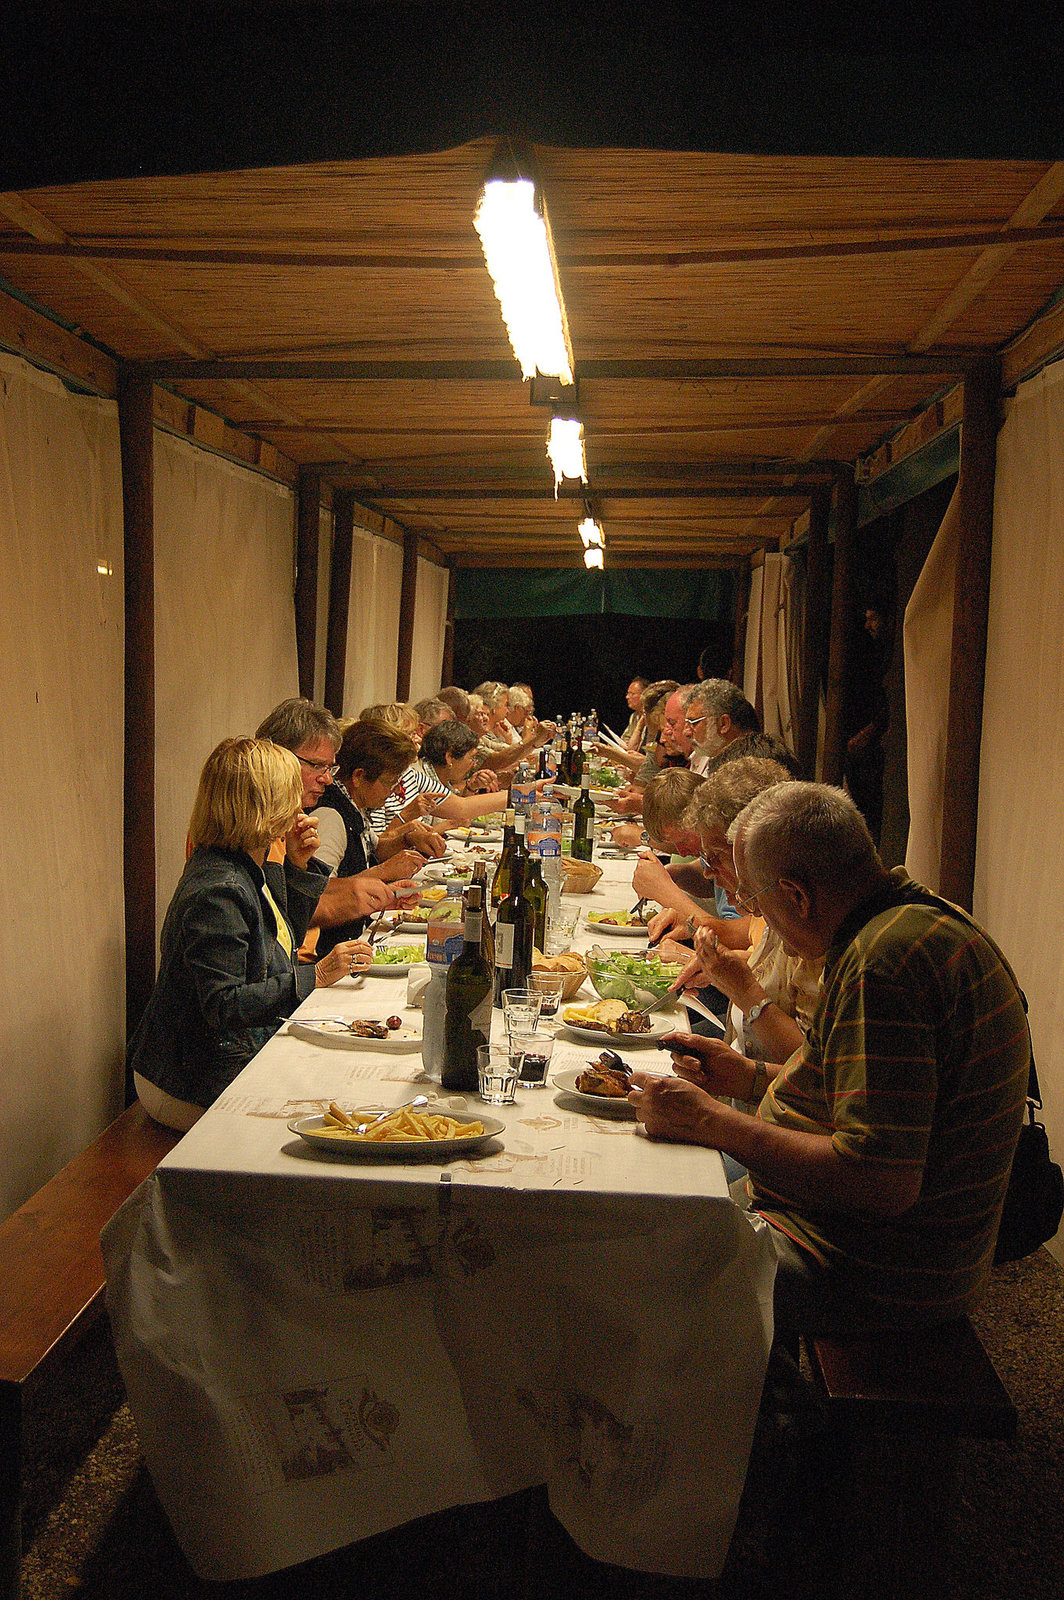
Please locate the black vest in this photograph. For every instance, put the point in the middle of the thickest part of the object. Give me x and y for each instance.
(356, 858)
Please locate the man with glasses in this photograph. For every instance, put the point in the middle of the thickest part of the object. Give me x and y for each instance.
(313, 735)
(880, 1150)
(716, 713)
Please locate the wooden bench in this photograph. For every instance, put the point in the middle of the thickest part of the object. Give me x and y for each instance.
(51, 1287)
(899, 1405)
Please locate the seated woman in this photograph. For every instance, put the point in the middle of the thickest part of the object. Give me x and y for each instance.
(448, 755)
(368, 764)
(502, 748)
(226, 974)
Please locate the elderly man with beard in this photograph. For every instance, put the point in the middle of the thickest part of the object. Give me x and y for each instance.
(717, 713)
(880, 1150)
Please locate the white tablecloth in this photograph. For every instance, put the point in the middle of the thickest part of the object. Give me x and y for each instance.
(319, 1350)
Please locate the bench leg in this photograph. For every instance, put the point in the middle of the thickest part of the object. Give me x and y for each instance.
(10, 1490)
(896, 1516)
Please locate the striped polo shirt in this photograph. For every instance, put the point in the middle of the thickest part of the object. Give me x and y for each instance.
(917, 1057)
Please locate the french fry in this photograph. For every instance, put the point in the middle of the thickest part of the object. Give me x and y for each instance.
(402, 1126)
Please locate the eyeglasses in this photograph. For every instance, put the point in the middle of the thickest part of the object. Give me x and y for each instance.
(749, 902)
(710, 860)
(692, 722)
(319, 766)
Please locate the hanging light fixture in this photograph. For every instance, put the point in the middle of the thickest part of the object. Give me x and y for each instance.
(565, 447)
(593, 556)
(591, 533)
(515, 236)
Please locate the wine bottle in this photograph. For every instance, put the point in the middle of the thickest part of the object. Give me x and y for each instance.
(577, 761)
(467, 1020)
(500, 884)
(515, 923)
(583, 824)
(479, 881)
(535, 892)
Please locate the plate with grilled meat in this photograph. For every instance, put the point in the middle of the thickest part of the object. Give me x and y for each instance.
(601, 1087)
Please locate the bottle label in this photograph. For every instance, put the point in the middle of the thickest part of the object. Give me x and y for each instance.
(523, 796)
(504, 944)
(472, 926)
(442, 944)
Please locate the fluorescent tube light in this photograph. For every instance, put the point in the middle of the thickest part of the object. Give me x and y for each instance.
(515, 236)
(565, 447)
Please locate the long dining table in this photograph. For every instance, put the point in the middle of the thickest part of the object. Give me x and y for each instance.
(317, 1349)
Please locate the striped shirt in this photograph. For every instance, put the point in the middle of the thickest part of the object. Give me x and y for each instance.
(918, 1058)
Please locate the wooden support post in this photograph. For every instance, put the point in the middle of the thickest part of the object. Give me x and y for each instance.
(407, 601)
(136, 443)
(339, 600)
(840, 648)
(308, 499)
(971, 607)
(742, 618)
(447, 669)
(816, 611)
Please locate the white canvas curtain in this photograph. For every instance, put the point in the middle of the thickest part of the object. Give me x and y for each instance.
(927, 637)
(373, 621)
(321, 638)
(225, 644)
(1019, 887)
(62, 985)
(430, 621)
(770, 632)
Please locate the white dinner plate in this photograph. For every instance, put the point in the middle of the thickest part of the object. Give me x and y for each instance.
(612, 931)
(392, 969)
(331, 1032)
(311, 1130)
(596, 1105)
(660, 1024)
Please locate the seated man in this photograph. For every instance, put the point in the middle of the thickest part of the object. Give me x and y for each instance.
(880, 1151)
(717, 713)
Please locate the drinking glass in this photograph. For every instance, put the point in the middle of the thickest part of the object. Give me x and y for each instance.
(520, 1009)
(549, 986)
(561, 930)
(497, 1074)
(530, 1055)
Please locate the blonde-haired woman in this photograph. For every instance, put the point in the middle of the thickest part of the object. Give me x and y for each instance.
(227, 974)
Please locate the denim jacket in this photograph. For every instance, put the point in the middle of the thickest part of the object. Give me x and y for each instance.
(224, 983)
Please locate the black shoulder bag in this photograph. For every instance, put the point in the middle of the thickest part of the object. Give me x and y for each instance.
(1034, 1200)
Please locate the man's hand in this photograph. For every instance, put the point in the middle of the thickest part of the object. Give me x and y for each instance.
(710, 1064)
(627, 835)
(368, 894)
(668, 920)
(650, 879)
(301, 840)
(671, 1108)
(628, 801)
(404, 893)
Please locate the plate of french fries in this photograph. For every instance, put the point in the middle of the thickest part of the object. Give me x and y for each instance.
(401, 1135)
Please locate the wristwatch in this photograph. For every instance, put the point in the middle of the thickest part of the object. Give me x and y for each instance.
(756, 1010)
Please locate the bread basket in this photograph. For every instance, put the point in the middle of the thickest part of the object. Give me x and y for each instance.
(574, 981)
(580, 876)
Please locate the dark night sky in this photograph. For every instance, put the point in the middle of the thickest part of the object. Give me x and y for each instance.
(113, 89)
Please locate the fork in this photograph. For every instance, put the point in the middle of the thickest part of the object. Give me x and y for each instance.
(416, 1104)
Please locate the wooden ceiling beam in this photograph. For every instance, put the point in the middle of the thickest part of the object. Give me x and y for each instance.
(840, 364)
(410, 498)
(41, 228)
(1047, 193)
(753, 422)
(1007, 235)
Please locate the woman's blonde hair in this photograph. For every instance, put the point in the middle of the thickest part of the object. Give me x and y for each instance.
(396, 713)
(249, 793)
